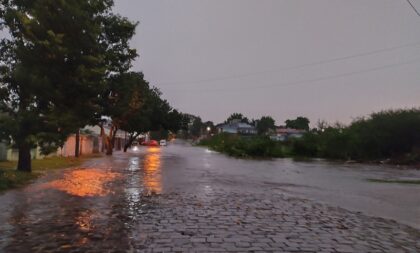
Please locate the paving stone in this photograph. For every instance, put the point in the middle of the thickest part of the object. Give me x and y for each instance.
(223, 222)
(241, 222)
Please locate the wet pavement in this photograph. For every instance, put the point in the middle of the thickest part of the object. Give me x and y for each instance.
(188, 199)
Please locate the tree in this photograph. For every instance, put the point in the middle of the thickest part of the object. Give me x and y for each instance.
(174, 121)
(53, 66)
(393, 134)
(197, 127)
(265, 124)
(237, 116)
(186, 121)
(298, 123)
(54, 53)
(122, 101)
(155, 114)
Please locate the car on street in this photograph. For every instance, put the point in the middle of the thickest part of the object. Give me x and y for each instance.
(151, 143)
(163, 143)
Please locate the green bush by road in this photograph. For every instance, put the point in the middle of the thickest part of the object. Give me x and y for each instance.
(389, 135)
(245, 146)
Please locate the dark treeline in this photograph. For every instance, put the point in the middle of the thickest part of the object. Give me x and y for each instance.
(393, 134)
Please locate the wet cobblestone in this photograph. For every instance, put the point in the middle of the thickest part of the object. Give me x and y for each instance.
(217, 222)
(111, 205)
(238, 222)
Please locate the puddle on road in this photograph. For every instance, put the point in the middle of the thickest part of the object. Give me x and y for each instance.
(84, 221)
(84, 182)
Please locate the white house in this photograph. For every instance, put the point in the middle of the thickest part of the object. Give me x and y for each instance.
(283, 134)
(237, 127)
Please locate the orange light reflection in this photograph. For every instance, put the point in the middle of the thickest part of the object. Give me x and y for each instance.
(152, 170)
(84, 182)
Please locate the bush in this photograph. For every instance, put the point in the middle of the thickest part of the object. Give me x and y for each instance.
(306, 146)
(393, 134)
(241, 146)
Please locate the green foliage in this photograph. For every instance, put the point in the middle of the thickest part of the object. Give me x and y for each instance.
(54, 66)
(135, 107)
(191, 126)
(265, 124)
(308, 146)
(237, 116)
(298, 123)
(12, 178)
(124, 97)
(238, 146)
(159, 135)
(197, 127)
(173, 121)
(152, 113)
(393, 134)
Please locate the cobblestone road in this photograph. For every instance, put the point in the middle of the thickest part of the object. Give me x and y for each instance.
(239, 222)
(125, 204)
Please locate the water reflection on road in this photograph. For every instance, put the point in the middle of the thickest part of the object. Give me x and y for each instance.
(73, 208)
(84, 220)
(84, 182)
(152, 170)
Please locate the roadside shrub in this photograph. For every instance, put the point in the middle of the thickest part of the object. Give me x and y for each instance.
(244, 146)
(307, 146)
(390, 134)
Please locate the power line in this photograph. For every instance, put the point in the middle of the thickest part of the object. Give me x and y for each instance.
(292, 67)
(414, 7)
(324, 78)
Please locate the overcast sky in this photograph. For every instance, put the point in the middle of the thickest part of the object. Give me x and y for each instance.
(279, 57)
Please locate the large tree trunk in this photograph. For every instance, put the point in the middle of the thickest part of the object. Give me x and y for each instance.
(103, 136)
(24, 162)
(109, 146)
(110, 140)
(129, 142)
(77, 146)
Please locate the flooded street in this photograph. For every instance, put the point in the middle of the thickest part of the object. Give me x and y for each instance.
(182, 198)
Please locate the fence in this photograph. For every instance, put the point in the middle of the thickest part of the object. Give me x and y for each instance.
(3, 151)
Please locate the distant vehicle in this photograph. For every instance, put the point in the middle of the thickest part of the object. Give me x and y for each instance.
(163, 143)
(152, 143)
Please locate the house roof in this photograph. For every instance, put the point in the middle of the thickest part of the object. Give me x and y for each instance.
(282, 130)
(236, 125)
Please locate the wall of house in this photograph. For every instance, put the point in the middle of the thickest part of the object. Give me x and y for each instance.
(229, 130)
(87, 145)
